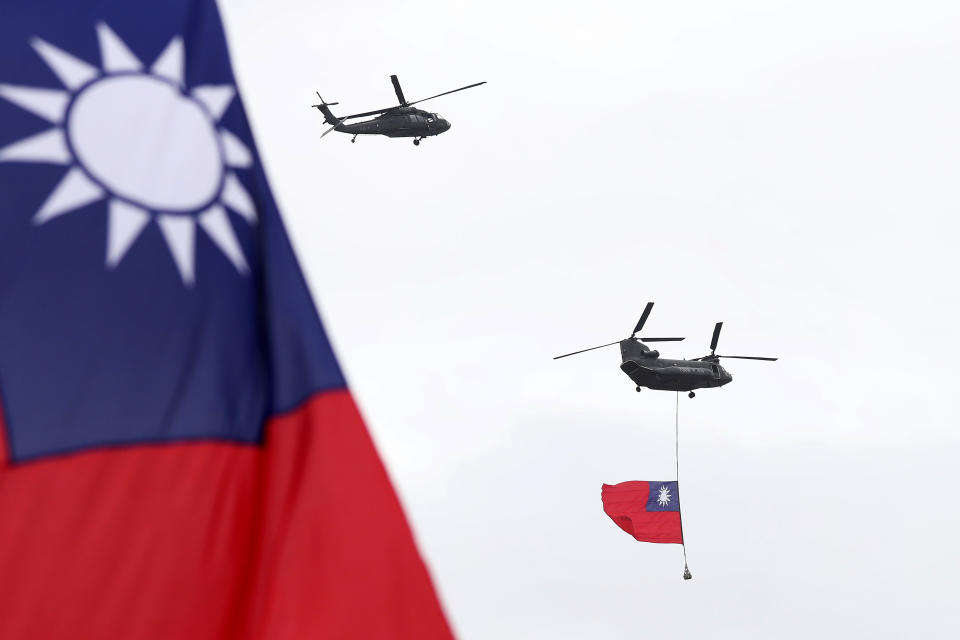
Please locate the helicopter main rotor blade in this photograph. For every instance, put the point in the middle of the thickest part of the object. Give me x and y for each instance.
(368, 113)
(376, 112)
(716, 337)
(469, 86)
(750, 358)
(643, 318)
(333, 128)
(661, 339)
(584, 350)
(396, 87)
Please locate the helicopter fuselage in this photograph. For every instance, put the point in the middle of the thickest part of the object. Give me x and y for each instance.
(647, 369)
(404, 122)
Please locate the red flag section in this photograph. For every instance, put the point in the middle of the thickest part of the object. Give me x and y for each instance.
(648, 511)
(302, 537)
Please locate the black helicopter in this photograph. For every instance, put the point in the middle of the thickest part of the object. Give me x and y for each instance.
(402, 121)
(647, 369)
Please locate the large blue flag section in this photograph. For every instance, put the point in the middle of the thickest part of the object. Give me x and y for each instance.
(181, 457)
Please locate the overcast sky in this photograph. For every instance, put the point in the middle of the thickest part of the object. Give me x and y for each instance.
(789, 168)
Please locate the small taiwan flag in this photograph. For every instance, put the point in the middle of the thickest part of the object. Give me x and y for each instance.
(649, 511)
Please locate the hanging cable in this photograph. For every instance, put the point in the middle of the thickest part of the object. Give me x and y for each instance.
(676, 431)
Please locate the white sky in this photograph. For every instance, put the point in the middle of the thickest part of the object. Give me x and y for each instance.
(789, 168)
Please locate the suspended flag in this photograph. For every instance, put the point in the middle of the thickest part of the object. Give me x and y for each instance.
(180, 455)
(648, 511)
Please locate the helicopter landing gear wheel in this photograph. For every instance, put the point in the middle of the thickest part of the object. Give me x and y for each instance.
(691, 395)
(639, 389)
(353, 139)
(416, 142)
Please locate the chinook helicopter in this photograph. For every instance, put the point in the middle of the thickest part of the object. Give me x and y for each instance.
(647, 369)
(402, 121)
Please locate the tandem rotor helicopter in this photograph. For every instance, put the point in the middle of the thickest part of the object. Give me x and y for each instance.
(647, 369)
(402, 121)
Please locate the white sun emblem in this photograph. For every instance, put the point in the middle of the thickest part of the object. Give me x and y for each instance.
(664, 498)
(134, 136)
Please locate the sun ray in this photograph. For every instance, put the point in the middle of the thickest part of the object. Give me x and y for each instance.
(180, 232)
(237, 153)
(124, 226)
(236, 197)
(73, 192)
(73, 72)
(214, 97)
(216, 224)
(170, 63)
(49, 104)
(114, 54)
(49, 146)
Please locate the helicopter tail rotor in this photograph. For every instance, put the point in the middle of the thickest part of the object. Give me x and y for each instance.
(322, 101)
(324, 108)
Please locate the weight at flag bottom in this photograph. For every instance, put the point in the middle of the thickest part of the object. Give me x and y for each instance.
(180, 454)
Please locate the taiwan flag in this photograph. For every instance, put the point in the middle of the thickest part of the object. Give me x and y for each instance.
(648, 511)
(180, 456)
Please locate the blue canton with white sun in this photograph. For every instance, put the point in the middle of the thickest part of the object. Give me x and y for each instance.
(148, 291)
(664, 496)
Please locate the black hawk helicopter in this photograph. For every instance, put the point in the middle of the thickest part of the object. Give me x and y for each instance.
(402, 121)
(647, 369)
